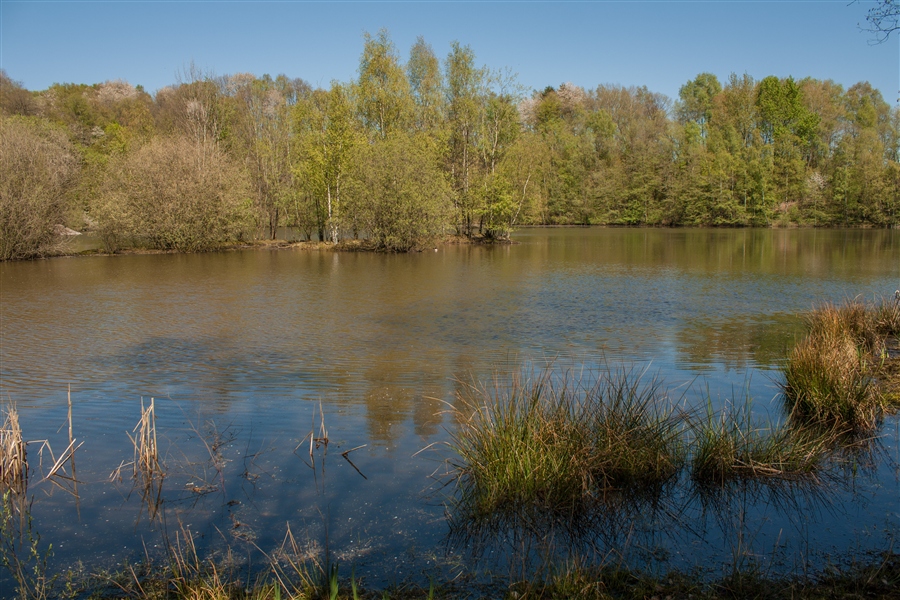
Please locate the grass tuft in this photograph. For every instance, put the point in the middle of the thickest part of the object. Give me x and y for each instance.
(844, 371)
(553, 444)
(729, 445)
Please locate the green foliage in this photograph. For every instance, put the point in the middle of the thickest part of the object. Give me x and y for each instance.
(426, 85)
(385, 101)
(328, 135)
(759, 153)
(398, 195)
(21, 552)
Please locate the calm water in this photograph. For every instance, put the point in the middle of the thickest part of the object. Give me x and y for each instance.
(246, 352)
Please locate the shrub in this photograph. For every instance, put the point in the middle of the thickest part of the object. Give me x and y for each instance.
(397, 195)
(37, 169)
(174, 194)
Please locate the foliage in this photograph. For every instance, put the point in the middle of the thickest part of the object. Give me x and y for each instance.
(397, 194)
(740, 152)
(21, 552)
(37, 171)
(174, 194)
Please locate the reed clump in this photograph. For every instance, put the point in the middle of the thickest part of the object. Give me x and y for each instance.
(729, 445)
(146, 448)
(13, 460)
(844, 371)
(551, 443)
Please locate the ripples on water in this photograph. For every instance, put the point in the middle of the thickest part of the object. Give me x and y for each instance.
(251, 348)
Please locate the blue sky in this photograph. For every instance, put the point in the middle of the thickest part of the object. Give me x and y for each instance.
(660, 44)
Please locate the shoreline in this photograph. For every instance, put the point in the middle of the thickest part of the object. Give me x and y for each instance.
(449, 240)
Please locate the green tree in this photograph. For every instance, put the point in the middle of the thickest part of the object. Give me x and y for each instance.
(327, 134)
(464, 91)
(696, 101)
(426, 84)
(384, 98)
(398, 193)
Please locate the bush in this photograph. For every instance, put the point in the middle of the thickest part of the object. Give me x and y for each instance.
(37, 168)
(174, 194)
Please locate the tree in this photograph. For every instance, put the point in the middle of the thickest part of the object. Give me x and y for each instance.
(398, 194)
(175, 194)
(426, 83)
(263, 125)
(37, 171)
(696, 100)
(327, 136)
(14, 99)
(464, 91)
(384, 99)
(884, 19)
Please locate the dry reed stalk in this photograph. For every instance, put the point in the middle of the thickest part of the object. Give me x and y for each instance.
(13, 460)
(146, 449)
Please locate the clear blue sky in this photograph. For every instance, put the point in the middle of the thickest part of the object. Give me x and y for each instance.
(660, 44)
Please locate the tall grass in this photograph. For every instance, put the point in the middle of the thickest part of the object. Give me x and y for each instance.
(146, 448)
(730, 445)
(842, 372)
(552, 443)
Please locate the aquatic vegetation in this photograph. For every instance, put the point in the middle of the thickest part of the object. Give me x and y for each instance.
(13, 459)
(147, 470)
(553, 443)
(21, 552)
(730, 445)
(842, 372)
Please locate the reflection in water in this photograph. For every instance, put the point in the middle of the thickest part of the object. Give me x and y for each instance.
(244, 347)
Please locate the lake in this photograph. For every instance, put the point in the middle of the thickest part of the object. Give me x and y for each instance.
(246, 353)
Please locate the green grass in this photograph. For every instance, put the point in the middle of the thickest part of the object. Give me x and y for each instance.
(841, 373)
(729, 445)
(550, 443)
(873, 576)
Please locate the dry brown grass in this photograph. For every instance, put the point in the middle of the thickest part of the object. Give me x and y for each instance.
(13, 460)
(845, 371)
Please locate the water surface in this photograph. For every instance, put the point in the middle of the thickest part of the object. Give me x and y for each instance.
(245, 352)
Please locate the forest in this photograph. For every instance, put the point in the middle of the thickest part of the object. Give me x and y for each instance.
(408, 153)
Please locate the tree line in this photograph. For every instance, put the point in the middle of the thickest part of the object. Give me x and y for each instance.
(408, 152)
